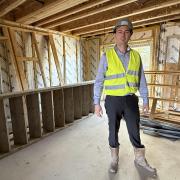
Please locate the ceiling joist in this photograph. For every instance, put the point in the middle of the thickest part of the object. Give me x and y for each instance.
(110, 6)
(83, 24)
(48, 10)
(70, 11)
(7, 7)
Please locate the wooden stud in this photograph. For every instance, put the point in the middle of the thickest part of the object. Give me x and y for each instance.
(47, 111)
(39, 57)
(12, 55)
(34, 119)
(68, 104)
(4, 132)
(77, 68)
(19, 119)
(153, 108)
(64, 57)
(49, 62)
(56, 59)
(59, 114)
(19, 64)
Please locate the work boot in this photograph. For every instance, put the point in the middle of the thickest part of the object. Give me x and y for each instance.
(141, 161)
(114, 160)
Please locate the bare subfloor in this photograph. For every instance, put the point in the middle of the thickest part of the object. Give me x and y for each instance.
(81, 152)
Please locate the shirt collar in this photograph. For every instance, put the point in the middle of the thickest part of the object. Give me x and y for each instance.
(117, 50)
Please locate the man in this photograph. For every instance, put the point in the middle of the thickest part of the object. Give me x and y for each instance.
(120, 75)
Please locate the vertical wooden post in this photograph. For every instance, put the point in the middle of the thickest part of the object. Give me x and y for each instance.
(4, 132)
(19, 119)
(34, 119)
(56, 59)
(47, 111)
(39, 57)
(77, 96)
(68, 104)
(49, 62)
(91, 93)
(85, 100)
(59, 114)
(64, 56)
(153, 108)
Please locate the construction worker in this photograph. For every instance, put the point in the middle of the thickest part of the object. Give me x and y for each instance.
(120, 75)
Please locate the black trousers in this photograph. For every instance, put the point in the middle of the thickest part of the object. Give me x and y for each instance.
(126, 107)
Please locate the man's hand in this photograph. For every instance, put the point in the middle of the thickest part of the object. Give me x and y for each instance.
(145, 108)
(98, 110)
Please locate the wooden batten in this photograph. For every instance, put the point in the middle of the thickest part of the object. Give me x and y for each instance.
(56, 59)
(20, 67)
(39, 58)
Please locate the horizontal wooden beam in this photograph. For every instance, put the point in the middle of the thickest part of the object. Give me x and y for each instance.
(110, 6)
(68, 12)
(109, 26)
(3, 39)
(108, 18)
(48, 10)
(27, 58)
(7, 7)
(28, 28)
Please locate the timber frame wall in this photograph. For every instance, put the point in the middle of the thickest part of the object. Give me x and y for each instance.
(34, 114)
(33, 58)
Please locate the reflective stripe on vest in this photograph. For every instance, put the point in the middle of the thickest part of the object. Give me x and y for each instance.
(119, 82)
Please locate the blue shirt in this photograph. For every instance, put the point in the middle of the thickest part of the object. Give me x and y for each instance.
(99, 81)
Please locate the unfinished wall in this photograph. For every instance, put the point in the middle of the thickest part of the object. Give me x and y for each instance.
(32, 60)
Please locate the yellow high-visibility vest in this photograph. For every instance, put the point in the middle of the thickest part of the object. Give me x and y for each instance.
(118, 81)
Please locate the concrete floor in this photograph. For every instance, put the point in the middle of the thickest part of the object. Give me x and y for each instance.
(81, 152)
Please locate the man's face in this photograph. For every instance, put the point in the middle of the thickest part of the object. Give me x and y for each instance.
(122, 35)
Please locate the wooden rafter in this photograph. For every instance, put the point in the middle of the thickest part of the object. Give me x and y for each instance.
(7, 7)
(110, 25)
(48, 10)
(99, 20)
(110, 6)
(107, 30)
(68, 12)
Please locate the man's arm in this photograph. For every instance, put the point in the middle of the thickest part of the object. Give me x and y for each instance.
(98, 85)
(143, 90)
